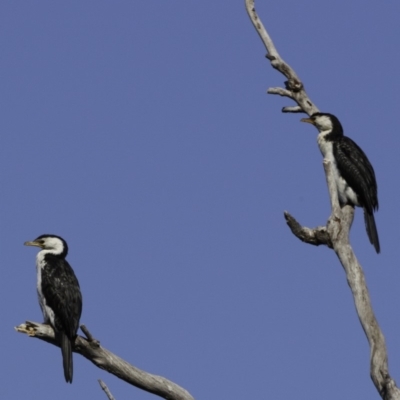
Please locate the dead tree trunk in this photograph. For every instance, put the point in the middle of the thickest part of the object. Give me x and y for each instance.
(336, 232)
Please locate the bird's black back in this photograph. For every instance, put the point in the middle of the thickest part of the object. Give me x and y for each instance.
(61, 289)
(358, 172)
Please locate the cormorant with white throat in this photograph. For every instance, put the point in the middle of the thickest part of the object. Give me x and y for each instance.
(59, 294)
(354, 174)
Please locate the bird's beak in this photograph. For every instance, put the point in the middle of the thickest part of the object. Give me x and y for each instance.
(309, 120)
(37, 244)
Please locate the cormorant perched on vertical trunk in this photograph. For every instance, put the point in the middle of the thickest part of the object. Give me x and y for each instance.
(354, 174)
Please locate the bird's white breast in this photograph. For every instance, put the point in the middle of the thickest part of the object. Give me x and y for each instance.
(48, 313)
(345, 192)
(325, 145)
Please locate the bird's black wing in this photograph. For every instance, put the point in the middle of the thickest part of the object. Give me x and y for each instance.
(60, 287)
(358, 172)
(355, 168)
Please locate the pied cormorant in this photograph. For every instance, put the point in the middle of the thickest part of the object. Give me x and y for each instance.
(59, 294)
(354, 175)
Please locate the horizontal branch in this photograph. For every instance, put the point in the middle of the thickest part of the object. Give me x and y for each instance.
(104, 359)
(280, 91)
(316, 236)
(293, 109)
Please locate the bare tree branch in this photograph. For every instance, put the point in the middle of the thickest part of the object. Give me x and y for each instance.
(86, 332)
(294, 109)
(106, 390)
(293, 83)
(104, 359)
(336, 233)
(316, 236)
(280, 91)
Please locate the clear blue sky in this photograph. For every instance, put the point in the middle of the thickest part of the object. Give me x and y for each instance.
(141, 132)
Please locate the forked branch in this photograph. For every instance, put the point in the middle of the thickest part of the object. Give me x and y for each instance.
(294, 88)
(90, 348)
(336, 233)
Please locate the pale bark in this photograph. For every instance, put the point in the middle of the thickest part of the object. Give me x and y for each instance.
(335, 235)
(106, 390)
(336, 232)
(90, 348)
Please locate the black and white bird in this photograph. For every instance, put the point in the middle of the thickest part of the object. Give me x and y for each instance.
(354, 174)
(59, 294)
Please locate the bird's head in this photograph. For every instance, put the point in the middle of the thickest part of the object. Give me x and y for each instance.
(55, 244)
(325, 122)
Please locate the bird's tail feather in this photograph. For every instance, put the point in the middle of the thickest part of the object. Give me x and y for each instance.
(371, 230)
(66, 351)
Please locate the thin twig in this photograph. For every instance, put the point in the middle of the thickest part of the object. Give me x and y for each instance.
(106, 390)
(280, 91)
(89, 336)
(293, 109)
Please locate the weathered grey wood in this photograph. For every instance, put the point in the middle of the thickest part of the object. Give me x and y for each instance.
(316, 236)
(336, 232)
(106, 390)
(338, 227)
(104, 359)
(294, 88)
